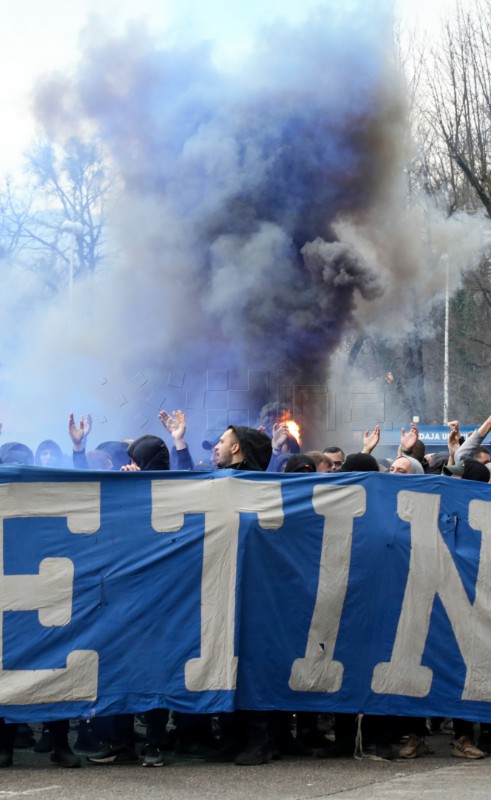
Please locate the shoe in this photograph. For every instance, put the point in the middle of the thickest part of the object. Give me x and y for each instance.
(153, 756)
(415, 747)
(65, 758)
(190, 750)
(337, 749)
(294, 747)
(222, 755)
(24, 737)
(114, 754)
(465, 748)
(253, 756)
(313, 739)
(45, 742)
(87, 744)
(6, 758)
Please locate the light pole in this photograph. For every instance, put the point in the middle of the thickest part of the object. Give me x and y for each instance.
(445, 345)
(75, 229)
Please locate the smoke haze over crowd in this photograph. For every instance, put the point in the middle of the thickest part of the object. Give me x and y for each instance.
(259, 211)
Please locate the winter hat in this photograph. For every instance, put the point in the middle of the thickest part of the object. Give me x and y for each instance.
(360, 462)
(149, 452)
(468, 470)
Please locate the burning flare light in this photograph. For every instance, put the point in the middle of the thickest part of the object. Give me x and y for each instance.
(293, 428)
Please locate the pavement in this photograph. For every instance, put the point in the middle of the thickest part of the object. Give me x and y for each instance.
(437, 776)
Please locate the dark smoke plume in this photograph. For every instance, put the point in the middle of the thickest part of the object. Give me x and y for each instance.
(256, 207)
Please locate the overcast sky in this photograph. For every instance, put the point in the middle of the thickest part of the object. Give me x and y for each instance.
(38, 37)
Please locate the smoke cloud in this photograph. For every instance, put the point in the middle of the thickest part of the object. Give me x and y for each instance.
(259, 210)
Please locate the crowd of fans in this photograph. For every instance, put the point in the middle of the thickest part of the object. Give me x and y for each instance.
(247, 737)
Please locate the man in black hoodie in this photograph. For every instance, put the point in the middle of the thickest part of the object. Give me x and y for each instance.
(241, 447)
(245, 735)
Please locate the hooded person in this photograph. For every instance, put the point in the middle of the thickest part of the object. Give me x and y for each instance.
(48, 454)
(241, 447)
(300, 463)
(436, 462)
(117, 452)
(16, 453)
(360, 462)
(149, 452)
(245, 735)
(406, 465)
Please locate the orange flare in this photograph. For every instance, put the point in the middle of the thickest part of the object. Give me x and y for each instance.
(294, 429)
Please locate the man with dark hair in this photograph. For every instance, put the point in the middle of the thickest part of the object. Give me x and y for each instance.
(336, 455)
(245, 735)
(241, 447)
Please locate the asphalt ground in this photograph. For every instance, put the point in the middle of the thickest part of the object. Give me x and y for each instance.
(438, 776)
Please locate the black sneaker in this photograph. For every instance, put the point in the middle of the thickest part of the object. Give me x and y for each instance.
(114, 754)
(224, 754)
(153, 756)
(337, 749)
(65, 758)
(6, 758)
(24, 737)
(45, 742)
(255, 755)
(294, 747)
(87, 744)
(190, 750)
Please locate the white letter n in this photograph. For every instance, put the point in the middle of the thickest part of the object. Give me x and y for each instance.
(432, 571)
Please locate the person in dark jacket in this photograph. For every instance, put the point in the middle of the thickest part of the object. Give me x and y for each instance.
(147, 453)
(16, 453)
(464, 746)
(241, 447)
(245, 735)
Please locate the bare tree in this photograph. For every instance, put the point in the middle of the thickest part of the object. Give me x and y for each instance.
(455, 103)
(15, 209)
(67, 220)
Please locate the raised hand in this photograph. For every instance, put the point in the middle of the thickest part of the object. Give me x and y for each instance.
(78, 433)
(408, 440)
(371, 440)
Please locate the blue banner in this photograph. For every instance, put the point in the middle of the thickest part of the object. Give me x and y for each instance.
(205, 592)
